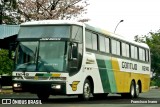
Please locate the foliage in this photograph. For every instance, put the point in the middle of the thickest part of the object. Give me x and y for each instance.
(6, 64)
(153, 42)
(155, 82)
(9, 12)
(51, 9)
(18, 11)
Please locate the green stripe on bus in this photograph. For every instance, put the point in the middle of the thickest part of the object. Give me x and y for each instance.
(43, 74)
(111, 77)
(103, 75)
(107, 75)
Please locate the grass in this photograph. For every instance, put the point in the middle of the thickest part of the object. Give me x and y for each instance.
(6, 90)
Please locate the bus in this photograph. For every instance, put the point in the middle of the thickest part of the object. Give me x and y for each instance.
(59, 57)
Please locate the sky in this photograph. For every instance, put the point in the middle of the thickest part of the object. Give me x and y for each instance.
(140, 16)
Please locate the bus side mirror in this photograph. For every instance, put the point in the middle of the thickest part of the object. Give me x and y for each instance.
(73, 51)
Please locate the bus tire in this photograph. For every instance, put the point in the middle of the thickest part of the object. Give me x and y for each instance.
(43, 96)
(137, 90)
(86, 91)
(132, 90)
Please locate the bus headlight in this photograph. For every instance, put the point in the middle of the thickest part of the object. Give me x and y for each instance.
(56, 86)
(17, 78)
(17, 85)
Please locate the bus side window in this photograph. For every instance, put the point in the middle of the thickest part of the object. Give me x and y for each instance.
(118, 48)
(114, 47)
(147, 58)
(94, 41)
(127, 50)
(124, 49)
(135, 52)
(140, 54)
(107, 45)
(101, 43)
(88, 38)
(132, 51)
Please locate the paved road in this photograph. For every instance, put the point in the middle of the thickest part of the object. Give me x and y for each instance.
(113, 100)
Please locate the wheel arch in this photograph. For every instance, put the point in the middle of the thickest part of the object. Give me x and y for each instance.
(133, 80)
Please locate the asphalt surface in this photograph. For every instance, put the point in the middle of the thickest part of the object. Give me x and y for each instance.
(148, 99)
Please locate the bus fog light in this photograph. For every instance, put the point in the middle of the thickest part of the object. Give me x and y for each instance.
(54, 86)
(17, 85)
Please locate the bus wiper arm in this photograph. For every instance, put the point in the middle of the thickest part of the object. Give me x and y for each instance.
(35, 55)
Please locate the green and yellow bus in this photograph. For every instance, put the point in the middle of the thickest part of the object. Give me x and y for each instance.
(57, 57)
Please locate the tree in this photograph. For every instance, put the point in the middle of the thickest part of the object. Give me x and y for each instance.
(8, 12)
(18, 11)
(154, 43)
(52, 9)
(6, 64)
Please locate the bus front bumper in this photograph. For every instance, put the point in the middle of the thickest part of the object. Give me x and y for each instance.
(53, 87)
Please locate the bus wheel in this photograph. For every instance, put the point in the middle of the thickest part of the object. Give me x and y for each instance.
(43, 96)
(86, 91)
(137, 90)
(132, 90)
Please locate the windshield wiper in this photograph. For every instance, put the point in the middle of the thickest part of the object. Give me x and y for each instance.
(35, 55)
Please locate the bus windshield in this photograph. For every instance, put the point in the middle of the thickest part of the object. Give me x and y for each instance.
(43, 56)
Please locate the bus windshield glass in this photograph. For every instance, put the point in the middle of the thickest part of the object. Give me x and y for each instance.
(43, 56)
(44, 31)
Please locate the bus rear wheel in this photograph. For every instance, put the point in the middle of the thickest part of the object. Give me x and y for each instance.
(137, 90)
(86, 91)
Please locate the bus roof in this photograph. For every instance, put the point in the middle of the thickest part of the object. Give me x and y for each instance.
(52, 22)
(93, 28)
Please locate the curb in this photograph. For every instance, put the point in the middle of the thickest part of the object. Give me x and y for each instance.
(154, 87)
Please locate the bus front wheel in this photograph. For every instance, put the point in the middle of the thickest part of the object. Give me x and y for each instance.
(86, 91)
